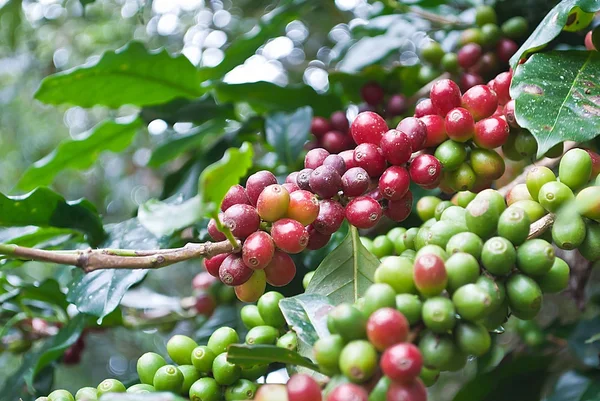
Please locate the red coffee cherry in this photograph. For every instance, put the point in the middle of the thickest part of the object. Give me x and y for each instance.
(480, 101)
(368, 127)
(509, 114)
(212, 265)
(430, 275)
(369, 157)
(213, 231)
(355, 182)
(363, 212)
(291, 186)
(203, 281)
(469, 55)
(303, 207)
(337, 162)
(330, 218)
(257, 182)
(436, 131)
(233, 271)
(469, 80)
(394, 183)
(399, 210)
(242, 220)
(303, 179)
(411, 391)
(415, 130)
(491, 132)
(348, 156)
(235, 196)
(273, 202)
(289, 235)
(425, 170)
(319, 126)
(336, 141)
(316, 240)
(589, 44)
(402, 362)
(291, 177)
(396, 105)
(348, 392)
(424, 108)
(460, 125)
(395, 146)
(281, 270)
(505, 49)
(258, 250)
(325, 182)
(386, 327)
(445, 95)
(339, 121)
(315, 157)
(372, 93)
(205, 304)
(501, 85)
(302, 387)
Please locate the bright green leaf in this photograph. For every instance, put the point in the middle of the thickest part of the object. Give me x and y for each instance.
(130, 75)
(31, 236)
(248, 355)
(287, 133)
(558, 97)
(165, 217)
(306, 314)
(81, 153)
(346, 273)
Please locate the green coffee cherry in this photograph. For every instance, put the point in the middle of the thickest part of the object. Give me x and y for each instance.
(456, 215)
(432, 52)
(514, 225)
(205, 389)
(327, 351)
(568, 230)
(347, 321)
(399, 246)
(441, 232)
(451, 154)
(463, 178)
(382, 246)
(203, 358)
(429, 376)
(251, 316)
(190, 375)
(465, 242)
(422, 237)
(517, 193)
(535, 257)
(268, 305)
(472, 338)
(358, 361)
(472, 302)
(458, 362)
(553, 195)
(557, 279)
(395, 233)
(289, 341)
(532, 209)
(426, 207)
(262, 335)
(490, 34)
(136, 389)
(495, 198)
(496, 318)
(536, 178)
(225, 372)
(439, 209)
(409, 254)
(588, 202)
(495, 289)
(241, 390)
(509, 151)
(427, 74)
(487, 163)
(450, 62)
(306, 280)
(498, 256)
(432, 250)
(482, 218)
(524, 296)
(379, 392)
(367, 243)
(115, 386)
(526, 144)
(462, 268)
(471, 35)
(515, 28)
(485, 15)
(60, 395)
(180, 349)
(590, 247)
(575, 168)
(147, 365)
(254, 372)
(379, 296)
(168, 378)
(437, 351)
(439, 314)
(409, 237)
(397, 271)
(91, 393)
(463, 198)
(223, 337)
(410, 306)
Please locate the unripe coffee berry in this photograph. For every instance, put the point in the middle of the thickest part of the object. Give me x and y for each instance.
(303, 207)
(253, 288)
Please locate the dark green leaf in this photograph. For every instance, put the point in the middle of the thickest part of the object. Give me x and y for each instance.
(224, 315)
(491, 359)
(165, 217)
(31, 236)
(593, 391)
(266, 96)
(188, 110)
(570, 387)
(586, 352)
(141, 397)
(288, 132)
(45, 208)
(217, 178)
(551, 26)
(81, 153)
(558, 97)
(130, 75)
(48, 291)
(306, 314)
(247, 355)
(98, 293)
(346, 273)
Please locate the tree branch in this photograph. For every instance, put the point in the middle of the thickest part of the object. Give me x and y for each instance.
(540, 226)
(96, 259)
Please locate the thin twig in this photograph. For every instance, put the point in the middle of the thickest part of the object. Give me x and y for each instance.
(540, 226)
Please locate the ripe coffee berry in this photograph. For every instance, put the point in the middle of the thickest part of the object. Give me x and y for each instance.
(386, 327)
(348, 392)
(242, 220)
(410, 391)
(469, 55)
(319, 126)
(258, 250)
(325, 181)
(205, 304)
(501, 85)
(236, 195)
(425, 170)
(212, 265)
(395, 146)
(430, 275)
(289, 235)
(302, 387)
(396, 105)
(339, 122)
(233, 271)
(369, 157)
(337, 162)
(203, 281)
(257, 182)
(460, 125)
(303, 179)
(348, 156)
(372, 93)
(415, 130)
(363, 212)
(355, 182)
(436, 131)
(402, 362)
(480, 101)
(273, 202)
(394, 183)
(213, 231)
(399, 210)
(316, 240)
(509, 114)
(281, 270)
(303, 207)
(330, 218)
(491, 132)
(505, 49)
(424, 108)
(469, 80)
(291, 186)
(445, 95)
(368, 127)
(336, 141)
(315, 157)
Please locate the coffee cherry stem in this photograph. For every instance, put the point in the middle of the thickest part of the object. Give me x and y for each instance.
(227, 232)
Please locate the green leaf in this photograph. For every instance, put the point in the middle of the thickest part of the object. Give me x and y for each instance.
(551, 26)
(188, 110)
(266, 97)
(593, 339)
(346, 273)
(224, 315)
(248, 355)
(31, 236)
(558, 97)
(11, 16)
(287, 133)
(48, 291)
(45, 208)
(141, 397)
(99, 293)
(81, 153)
(165, 217)
(306, 314)
(217, 178)
(571, 386)
(586, 352)
(130, 75)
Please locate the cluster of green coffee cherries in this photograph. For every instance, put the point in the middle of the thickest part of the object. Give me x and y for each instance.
(202, 372)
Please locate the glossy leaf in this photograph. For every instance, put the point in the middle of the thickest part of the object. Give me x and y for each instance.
(558, 97)
(45, 208)
(166, 217)
(48, 291)
(287, 133)
(130, 75)
(31, 236)
(573, 386)
(247, 355)
(217, 178)
(551, 26)
(81, 153)
(346, 273)
(188, 110)
(306, 314)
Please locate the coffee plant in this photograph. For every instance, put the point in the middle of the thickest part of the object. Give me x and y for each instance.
(397, 202)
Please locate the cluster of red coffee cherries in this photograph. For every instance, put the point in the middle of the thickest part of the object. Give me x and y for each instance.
(332, 134)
